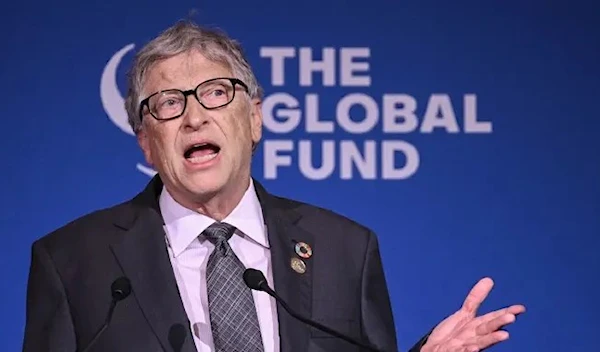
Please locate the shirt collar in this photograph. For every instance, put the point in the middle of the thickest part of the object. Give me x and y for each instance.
(184, 225)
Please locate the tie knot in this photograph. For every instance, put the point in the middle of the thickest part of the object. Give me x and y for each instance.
(219, 232)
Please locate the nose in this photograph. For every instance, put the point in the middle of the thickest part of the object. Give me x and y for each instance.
(195, 116)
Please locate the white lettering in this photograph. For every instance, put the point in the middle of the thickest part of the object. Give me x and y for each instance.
(326, 66)
(272, 159)
(439, 103)
(327, 162)
(291, 113)
(359, 113)
(350, 155)
(405, 113)
(349, 68)
(396, 159)
(277, 56)
(312, 116)
(370, 108)
(470, 117)
(388, 160)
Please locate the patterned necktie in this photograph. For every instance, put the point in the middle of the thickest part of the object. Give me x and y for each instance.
(232, 312)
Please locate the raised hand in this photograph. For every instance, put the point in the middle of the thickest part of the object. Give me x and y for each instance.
(464, 331)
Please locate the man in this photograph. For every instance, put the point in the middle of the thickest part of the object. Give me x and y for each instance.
(184, 242)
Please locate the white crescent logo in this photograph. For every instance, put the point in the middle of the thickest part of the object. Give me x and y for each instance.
(113, 102)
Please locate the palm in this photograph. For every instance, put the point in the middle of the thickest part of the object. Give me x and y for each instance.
(463, 331)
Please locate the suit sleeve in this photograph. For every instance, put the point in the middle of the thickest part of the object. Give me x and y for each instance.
(48, 325)
(417, 347)
(377, 318)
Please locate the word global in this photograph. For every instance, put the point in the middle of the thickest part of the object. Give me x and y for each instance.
(282, 113)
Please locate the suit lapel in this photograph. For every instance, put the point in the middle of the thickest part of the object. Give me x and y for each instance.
(144, 259)
(293, 287)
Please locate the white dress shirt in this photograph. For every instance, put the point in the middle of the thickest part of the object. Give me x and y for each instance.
(189, 254)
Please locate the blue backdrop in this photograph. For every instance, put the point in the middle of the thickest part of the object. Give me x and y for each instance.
(464, 134)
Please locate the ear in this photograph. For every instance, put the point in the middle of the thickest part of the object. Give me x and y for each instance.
(256, 119)
(144, 143)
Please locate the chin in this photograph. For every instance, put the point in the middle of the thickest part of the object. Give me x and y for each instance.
(203, 186)
(204, 181)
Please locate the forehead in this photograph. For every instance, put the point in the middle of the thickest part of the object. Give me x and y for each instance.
(183, 71)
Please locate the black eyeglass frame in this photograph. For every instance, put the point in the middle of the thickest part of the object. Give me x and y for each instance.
(193, 92)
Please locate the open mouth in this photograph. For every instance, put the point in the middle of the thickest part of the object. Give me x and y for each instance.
(202, 152)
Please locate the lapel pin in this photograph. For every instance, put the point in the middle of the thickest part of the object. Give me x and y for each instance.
(303, 250)
(298, 265)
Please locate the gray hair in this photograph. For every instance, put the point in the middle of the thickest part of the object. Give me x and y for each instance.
(182, 37)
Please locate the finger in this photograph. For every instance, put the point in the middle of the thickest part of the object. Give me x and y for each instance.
(514, 309)
(471, 348)
(489, 340)
(477, 295)
(517, 309)
(495, 324)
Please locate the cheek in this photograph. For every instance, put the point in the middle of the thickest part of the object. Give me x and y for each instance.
(243, 126)
(243, 135)
(162, 147)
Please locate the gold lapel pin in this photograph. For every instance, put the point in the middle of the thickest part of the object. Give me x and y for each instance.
(303, 250)
(298, 265)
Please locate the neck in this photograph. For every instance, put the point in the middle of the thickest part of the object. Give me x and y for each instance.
(218, 205)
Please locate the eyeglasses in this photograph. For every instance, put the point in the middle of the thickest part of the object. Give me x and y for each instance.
(212, 94)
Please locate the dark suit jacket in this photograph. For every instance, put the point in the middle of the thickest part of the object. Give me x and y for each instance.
(72, 269)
